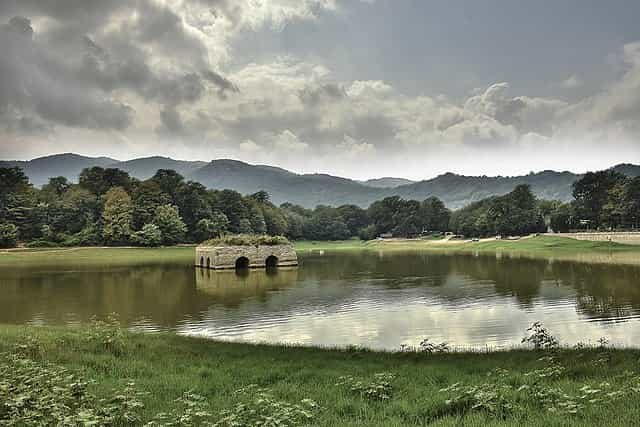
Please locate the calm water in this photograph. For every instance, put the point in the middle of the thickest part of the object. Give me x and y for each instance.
(367, 298)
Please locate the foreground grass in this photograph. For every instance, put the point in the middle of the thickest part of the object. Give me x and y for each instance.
(164, 366)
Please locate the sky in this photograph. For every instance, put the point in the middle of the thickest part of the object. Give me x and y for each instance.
(356, 88)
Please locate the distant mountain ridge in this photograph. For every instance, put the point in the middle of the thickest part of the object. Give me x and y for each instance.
(387, 182)
(310, 190)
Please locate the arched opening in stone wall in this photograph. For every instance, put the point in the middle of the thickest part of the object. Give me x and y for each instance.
(271, 261)
(242, 263)
(208, 262)
(201, 261)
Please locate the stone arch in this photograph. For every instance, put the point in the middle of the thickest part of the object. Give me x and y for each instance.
(271, 261)
(201, 261)
(242, 263)
(208, 262)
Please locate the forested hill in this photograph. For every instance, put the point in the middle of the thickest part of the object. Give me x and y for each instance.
(310, 190)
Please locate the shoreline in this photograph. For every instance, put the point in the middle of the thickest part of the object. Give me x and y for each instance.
(540, 247)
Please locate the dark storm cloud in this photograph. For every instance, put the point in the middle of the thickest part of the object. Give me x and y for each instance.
(70, 72)
(223, 84)
(34, 82)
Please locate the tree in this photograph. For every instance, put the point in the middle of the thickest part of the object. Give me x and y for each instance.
(631, 202)
(354, 217)
(383, 213)
(55, 188)
(256, 217)
(275, 220)
(8, 235)
(99, 180)
(434, 215)
(591, 193)
(170, 182)
(261, 197)
(194, 204)
(117, 216)
(561, 219)
(146, 199)
(209, 228)
(13, 180)
(168, 220)
(234, 206)
(150, 235)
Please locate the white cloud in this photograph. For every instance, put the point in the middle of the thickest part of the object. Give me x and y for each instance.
(572, 82)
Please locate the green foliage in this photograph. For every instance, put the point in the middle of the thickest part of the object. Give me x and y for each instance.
(192, 410)
(8, 235)
(516, 213)
(149, 236)
(170, 224)
(106, 335)
(247, 240)
(540, 338)
(429, 347)
(116, 216)
(258, 407)
(379, 388)
(490, 398)
(39, 393)
(99, 181)
(591, 194)
(213, 227)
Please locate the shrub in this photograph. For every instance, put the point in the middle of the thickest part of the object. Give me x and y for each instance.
(37, 393)
(150, 235)
(258, 407)
(106, 334)
(540, 337)
(247, 240)
(379, 388)
(8, 235)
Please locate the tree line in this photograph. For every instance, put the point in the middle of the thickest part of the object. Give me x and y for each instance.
(109, 207)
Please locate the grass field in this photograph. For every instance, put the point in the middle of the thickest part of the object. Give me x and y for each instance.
(542, 246)
(579, 387)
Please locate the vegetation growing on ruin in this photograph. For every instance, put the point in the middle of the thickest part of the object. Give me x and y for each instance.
(247, 240)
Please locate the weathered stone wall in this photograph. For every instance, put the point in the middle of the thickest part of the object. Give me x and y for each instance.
(629, 238)
(225, 257)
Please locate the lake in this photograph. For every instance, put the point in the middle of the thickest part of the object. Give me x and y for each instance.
(379, 300)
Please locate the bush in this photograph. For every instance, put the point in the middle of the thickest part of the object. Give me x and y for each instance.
(247, 240)
(150, 235)
(40, 243)
(8, 235)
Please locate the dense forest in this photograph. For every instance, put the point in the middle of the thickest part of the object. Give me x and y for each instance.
(109, 207)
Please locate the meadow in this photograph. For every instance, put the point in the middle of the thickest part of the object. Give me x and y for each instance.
(104, 375)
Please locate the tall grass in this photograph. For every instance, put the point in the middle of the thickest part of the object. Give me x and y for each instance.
(106, 376)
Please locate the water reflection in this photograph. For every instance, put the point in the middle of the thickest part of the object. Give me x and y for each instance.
(380, 300)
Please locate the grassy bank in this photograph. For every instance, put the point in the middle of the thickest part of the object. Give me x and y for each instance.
(351, 388)
(542, 246)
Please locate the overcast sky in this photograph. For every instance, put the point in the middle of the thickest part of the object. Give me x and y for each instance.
(358, 88)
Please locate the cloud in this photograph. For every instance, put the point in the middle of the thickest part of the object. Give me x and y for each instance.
(35, 83)
(288, 142)
(572, 82)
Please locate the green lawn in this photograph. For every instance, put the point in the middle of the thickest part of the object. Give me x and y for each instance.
(541, 246)
(598, 385)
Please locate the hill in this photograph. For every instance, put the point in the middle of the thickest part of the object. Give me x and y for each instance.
(69, 165)
(284, 186)
(146, 167)
(310, 190)
(386, 182)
